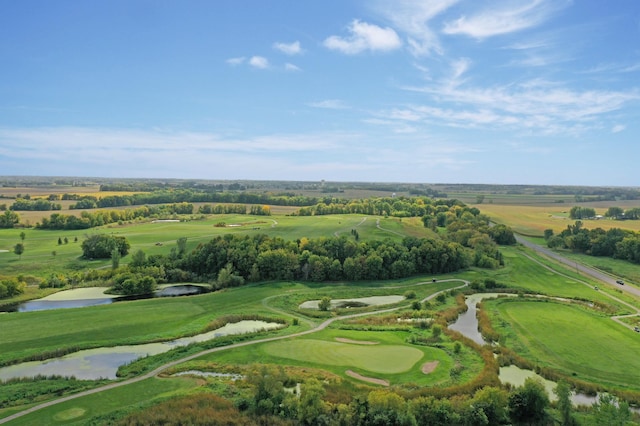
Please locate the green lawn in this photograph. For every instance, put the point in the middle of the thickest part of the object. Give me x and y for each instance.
(573, 340)
(158, 238)
(82, 410)
(391, 358)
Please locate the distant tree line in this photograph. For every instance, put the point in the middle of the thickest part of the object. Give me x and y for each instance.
(86, 220)
(383, 206)
(192, 196)
(617, 213)
(38, 204)
(615, 242)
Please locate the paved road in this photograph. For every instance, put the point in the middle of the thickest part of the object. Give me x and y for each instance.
(163, 367)
(586, 270)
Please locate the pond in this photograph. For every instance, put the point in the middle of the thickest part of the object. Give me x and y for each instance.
(93, 296)
(355, 302)
(467, 325)
(103, 363)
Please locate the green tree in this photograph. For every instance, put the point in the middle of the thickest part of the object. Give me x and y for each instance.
(528, 403)
(614, 212)
(564, 405)
(101, 246)
(9, 219)
(311, 407)
(22, 236)
(182, 246)
(611, 412)
(325, 303)
(19, 249)
(548, 233)
(138, 259)
(493, 402)
(115, 258)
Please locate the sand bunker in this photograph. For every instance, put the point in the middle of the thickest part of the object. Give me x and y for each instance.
(367, 379)
(428, 367)
(355, 342)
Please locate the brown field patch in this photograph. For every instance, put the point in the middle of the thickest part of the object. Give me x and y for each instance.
(367, 379)
(355, 342)
(428, 367)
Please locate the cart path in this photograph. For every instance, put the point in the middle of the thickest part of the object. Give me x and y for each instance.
(168, 365)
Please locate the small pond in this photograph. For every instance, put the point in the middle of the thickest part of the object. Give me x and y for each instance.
(356, 302)
(93, 364)
(93, 296)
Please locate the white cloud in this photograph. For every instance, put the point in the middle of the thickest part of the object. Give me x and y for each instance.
(536, 105)
(329, 104)
(504, 19)
(236, 61)
(288, 48)
(618, 128)
(291, 67)
(412, 17)
(364, 37)
(259, 62)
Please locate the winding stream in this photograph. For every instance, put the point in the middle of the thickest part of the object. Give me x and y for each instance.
(467, 325)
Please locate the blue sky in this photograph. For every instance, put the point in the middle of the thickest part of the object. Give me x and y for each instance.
(446, 91)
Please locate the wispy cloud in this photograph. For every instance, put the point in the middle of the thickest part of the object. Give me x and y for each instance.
(329, 104)
(363, 37)
(291, 67)
(259, 62)
(505, 18)
(537, 105)
(618, 128)
(412, 17)
(162, 153)
(236, 61)
(289, 48)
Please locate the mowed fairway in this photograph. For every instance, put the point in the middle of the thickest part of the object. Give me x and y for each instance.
(385, 359)
(574, 340)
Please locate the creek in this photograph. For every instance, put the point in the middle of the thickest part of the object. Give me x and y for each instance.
(467, 325)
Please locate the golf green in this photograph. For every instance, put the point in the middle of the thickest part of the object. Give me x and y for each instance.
(385, 359)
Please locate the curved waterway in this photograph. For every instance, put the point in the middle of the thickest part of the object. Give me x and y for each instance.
(467, 325)
(103, 363)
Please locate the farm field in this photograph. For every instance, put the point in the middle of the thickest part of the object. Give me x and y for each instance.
(532, 220)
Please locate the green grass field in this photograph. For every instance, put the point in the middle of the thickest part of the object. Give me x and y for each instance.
(158, 238)
(102, 406)
(573, 340)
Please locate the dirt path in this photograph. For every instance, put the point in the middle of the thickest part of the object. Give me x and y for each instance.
(163, 367)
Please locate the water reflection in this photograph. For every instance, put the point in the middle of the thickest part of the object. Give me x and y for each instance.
(94, 296)
(93, 364)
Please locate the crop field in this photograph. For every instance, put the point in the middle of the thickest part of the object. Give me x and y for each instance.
(533, 220)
